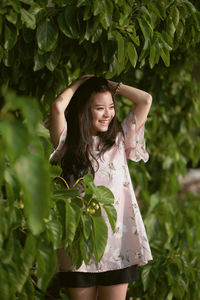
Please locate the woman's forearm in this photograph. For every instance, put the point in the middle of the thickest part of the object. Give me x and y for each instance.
(62, 101)
(137, 96)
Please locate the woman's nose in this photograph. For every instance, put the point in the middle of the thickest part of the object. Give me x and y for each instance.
(106, 113)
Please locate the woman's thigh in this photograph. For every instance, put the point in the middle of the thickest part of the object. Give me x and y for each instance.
(112, 292)
(89, 293)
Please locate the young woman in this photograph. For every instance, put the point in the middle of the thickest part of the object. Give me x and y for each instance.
(87, 140)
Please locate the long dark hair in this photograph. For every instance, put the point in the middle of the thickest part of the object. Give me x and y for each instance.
(77, 159)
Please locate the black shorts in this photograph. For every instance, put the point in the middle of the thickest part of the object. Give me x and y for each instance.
(82, 279)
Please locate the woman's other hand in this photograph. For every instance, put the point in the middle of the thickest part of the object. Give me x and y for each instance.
(80, 80)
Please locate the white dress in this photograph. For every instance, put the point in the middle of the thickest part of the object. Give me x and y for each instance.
(128, 245)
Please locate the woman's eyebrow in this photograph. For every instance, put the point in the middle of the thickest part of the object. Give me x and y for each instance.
(112, 104)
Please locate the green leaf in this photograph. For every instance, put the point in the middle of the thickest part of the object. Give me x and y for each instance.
(26, 264)
(26, 106)
(146, 28)
(106, 16)
(100, 236)
(16, 137)
(134, 38)
(32, 172)
(165, 56)
(9, 249)
(70, 13)
(72, 218)
(29, 290)
(144, 10)
(12, 17)
(60, 81)
(97, 7)
(159, 8)
(82, 3)
(161, 38)
(54, 59)
(28, 19)
(62, 25)
(174, 15)
(103, 195)
(148, 275)
(112, 71)
(39, 61)
(76, 253)
(167, 38)
(46, 265)
(39, 11)
(65, 194)
(189, 7)
(132, 54)
(108, 51)
(120, 48)
(47, 35)
(97, 34)
(55, 171)
(54, 228)
(4, 284)
(170, 28)
(87, 225)
(10, 37)
(112, 215)
(152, 56)
(8, 58)
(67, 22)
(12, 187)
(16, 5)
(89, 184)
(87, 13)
(86, 247)
(179, 31)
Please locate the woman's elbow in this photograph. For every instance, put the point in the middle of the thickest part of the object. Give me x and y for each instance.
(56, 107)
(147, 100)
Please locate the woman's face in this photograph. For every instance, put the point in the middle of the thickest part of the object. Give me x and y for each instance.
(103, 111)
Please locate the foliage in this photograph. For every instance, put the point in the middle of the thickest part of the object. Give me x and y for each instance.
(52, 41)
(85, 229)
(152, 45)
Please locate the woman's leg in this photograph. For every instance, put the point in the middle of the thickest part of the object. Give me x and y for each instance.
(89, 293)
(112, 292)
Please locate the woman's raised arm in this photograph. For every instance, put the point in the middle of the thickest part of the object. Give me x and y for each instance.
(142, 99)
(58, 107)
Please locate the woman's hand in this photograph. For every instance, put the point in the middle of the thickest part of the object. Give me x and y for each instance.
(113, 86)
(80, 80)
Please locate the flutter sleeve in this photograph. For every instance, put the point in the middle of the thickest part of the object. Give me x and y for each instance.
(57, 153)
(134, 140)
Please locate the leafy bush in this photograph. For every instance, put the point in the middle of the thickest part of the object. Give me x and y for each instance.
(153, 45)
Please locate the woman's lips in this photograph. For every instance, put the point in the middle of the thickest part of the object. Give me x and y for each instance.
(104, 122)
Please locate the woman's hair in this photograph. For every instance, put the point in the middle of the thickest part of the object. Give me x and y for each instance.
(77, 159)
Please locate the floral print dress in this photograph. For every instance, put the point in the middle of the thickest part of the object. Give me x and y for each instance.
(128, 245)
